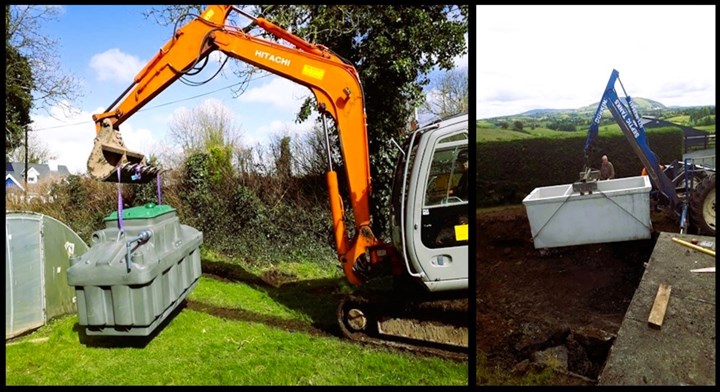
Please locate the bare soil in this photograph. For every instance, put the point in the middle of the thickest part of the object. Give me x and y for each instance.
(563, 303)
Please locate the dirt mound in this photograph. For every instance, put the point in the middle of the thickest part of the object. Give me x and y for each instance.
(560, 306)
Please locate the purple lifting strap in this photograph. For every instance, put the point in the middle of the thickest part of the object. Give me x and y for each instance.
(159, 189)
(120, 203)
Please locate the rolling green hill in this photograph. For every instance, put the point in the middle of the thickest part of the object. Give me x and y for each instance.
(560, 123)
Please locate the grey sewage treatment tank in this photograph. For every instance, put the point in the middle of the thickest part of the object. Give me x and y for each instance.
(120, 295)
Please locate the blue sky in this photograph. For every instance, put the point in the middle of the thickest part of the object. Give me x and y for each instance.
(105, 47)
(561, 57)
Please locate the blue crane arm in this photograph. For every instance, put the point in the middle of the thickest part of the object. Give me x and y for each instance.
(626, 115)
(595, 125)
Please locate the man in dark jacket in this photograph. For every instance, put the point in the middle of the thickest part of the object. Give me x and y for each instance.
(461, 189)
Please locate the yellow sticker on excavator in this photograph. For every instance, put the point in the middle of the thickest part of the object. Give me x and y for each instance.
(208, 14)
(317, 73)
(461, 232)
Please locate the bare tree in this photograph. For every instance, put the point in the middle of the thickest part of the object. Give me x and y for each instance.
(449, 95)
(170, 156)
(51, 86)
(210, 124)
(311, 154)
(38, 152)
(245, 161)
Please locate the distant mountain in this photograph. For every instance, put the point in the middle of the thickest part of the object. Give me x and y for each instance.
(643, 105)
(542, 112)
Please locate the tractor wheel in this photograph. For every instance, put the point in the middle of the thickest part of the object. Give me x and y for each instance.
(702, 207)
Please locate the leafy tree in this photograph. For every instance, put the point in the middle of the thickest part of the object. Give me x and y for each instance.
(283, 162)
(562, 124)
(18, 100)
(707, 120)
(209, 140)
(517, 125)
(33, 78)
(393, 48)
(18, 97)
(704, 115)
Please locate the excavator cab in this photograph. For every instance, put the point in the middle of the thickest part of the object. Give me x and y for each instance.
(430, 208)
(428, 306)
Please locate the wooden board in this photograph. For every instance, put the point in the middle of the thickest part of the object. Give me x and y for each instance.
(657, 314)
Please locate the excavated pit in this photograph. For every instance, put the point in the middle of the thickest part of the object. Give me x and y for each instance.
(560, 307)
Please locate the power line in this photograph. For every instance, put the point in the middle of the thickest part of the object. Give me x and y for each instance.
(157, 106)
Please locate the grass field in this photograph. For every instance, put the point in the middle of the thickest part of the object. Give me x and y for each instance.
(487, 132)
(498, 134)
(232, 332)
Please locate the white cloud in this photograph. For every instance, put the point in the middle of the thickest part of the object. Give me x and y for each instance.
(138, 139)
(280, 92)
(116, 66)
(70, 137)
(266, 132)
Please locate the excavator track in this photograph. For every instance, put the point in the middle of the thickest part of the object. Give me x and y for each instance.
(426, 326)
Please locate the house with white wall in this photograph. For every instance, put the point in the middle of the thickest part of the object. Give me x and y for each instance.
(37, 173)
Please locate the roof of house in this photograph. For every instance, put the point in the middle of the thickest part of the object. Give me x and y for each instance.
(12, 180)
(44, 170)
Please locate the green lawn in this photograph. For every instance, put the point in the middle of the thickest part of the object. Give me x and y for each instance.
(230, 333)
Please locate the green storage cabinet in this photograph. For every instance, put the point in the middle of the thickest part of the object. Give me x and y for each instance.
(117, 295)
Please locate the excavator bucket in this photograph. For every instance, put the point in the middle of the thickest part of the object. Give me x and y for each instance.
(109, 152)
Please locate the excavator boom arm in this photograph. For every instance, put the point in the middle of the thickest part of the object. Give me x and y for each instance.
(334, 83)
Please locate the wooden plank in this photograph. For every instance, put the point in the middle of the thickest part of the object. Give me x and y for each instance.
(708, 269)
(657, 314)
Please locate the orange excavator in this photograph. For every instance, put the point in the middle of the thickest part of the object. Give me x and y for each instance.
(421, 209)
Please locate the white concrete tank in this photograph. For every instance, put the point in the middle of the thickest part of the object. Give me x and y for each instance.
(619, 210)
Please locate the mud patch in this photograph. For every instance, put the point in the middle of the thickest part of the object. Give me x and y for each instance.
(236, 273)
(244, 315)
(277, 278)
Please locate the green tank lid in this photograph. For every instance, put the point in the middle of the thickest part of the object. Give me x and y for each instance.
(148, 211)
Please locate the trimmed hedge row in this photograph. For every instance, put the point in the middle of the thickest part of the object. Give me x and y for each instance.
(507, 171)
